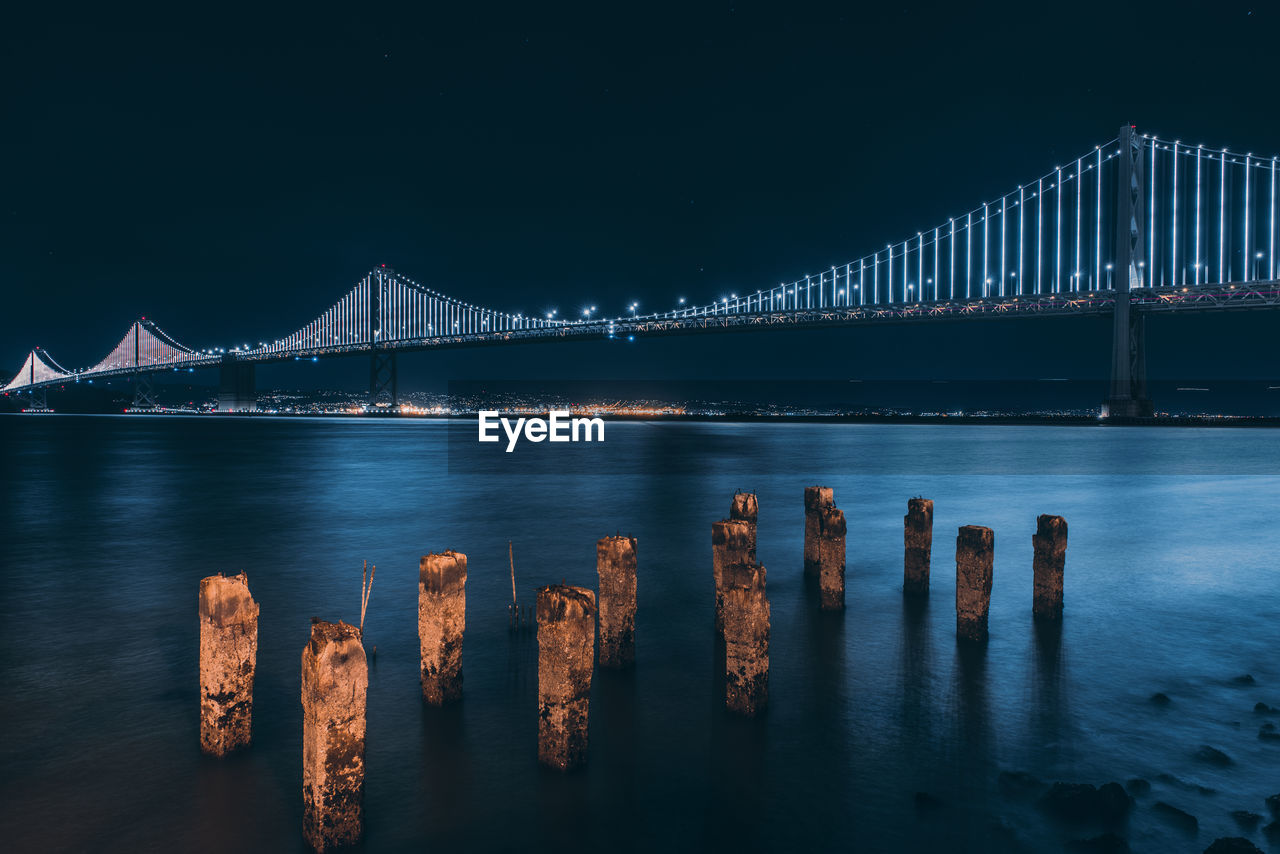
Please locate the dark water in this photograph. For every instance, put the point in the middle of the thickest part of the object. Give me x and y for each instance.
(109, 522)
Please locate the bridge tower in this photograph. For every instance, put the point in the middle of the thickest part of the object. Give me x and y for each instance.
(1128, 397)
(384, 390)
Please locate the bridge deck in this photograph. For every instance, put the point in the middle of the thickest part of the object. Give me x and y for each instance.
(1228, 297)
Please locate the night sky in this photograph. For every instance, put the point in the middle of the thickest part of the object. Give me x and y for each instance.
(230, 173)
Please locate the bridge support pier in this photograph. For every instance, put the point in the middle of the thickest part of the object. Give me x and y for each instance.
(236, 392)
(384, 386)
(1128, 396)
(144, 392)
(38, 400)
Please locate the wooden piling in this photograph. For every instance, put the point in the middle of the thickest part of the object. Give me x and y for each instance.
(975, 551)
(746, 637)
(1050, 557)
(831, 558)
(815, 498)
(228, 660)
(616, 568)
(745, 507)
(917, 542)
(566, 649)
(730, 544)
(335, 685)
(442, 619)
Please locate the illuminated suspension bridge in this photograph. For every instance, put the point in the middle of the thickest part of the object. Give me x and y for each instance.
(1140, 224)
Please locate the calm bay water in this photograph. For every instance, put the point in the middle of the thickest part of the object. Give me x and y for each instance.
(108, 524)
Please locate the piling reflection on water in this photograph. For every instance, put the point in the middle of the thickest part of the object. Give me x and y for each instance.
(879, 729)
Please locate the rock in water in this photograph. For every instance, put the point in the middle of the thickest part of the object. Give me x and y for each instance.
(1179, 818)
(1107, 843)
(1232, 845)
(1080, 802)
(1138, 786)
(1213, 756)
(1018, 784)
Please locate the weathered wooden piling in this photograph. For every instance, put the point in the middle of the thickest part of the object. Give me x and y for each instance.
(335, 685)
(975, 550)
(831, 554)
(616, 567)
(1050, 545)
(442, 618)
(566, 649)
(746, 638)
(747, 508)
(815, 498)
(917, 543)
(730, 544)
(228, 659)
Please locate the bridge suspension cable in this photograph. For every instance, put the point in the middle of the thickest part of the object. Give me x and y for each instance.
(387, 307)
(997, 249)
(39, 367)
(145, 345)
(1062, 238)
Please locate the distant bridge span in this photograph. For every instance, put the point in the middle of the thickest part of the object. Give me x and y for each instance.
(1136, 227)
